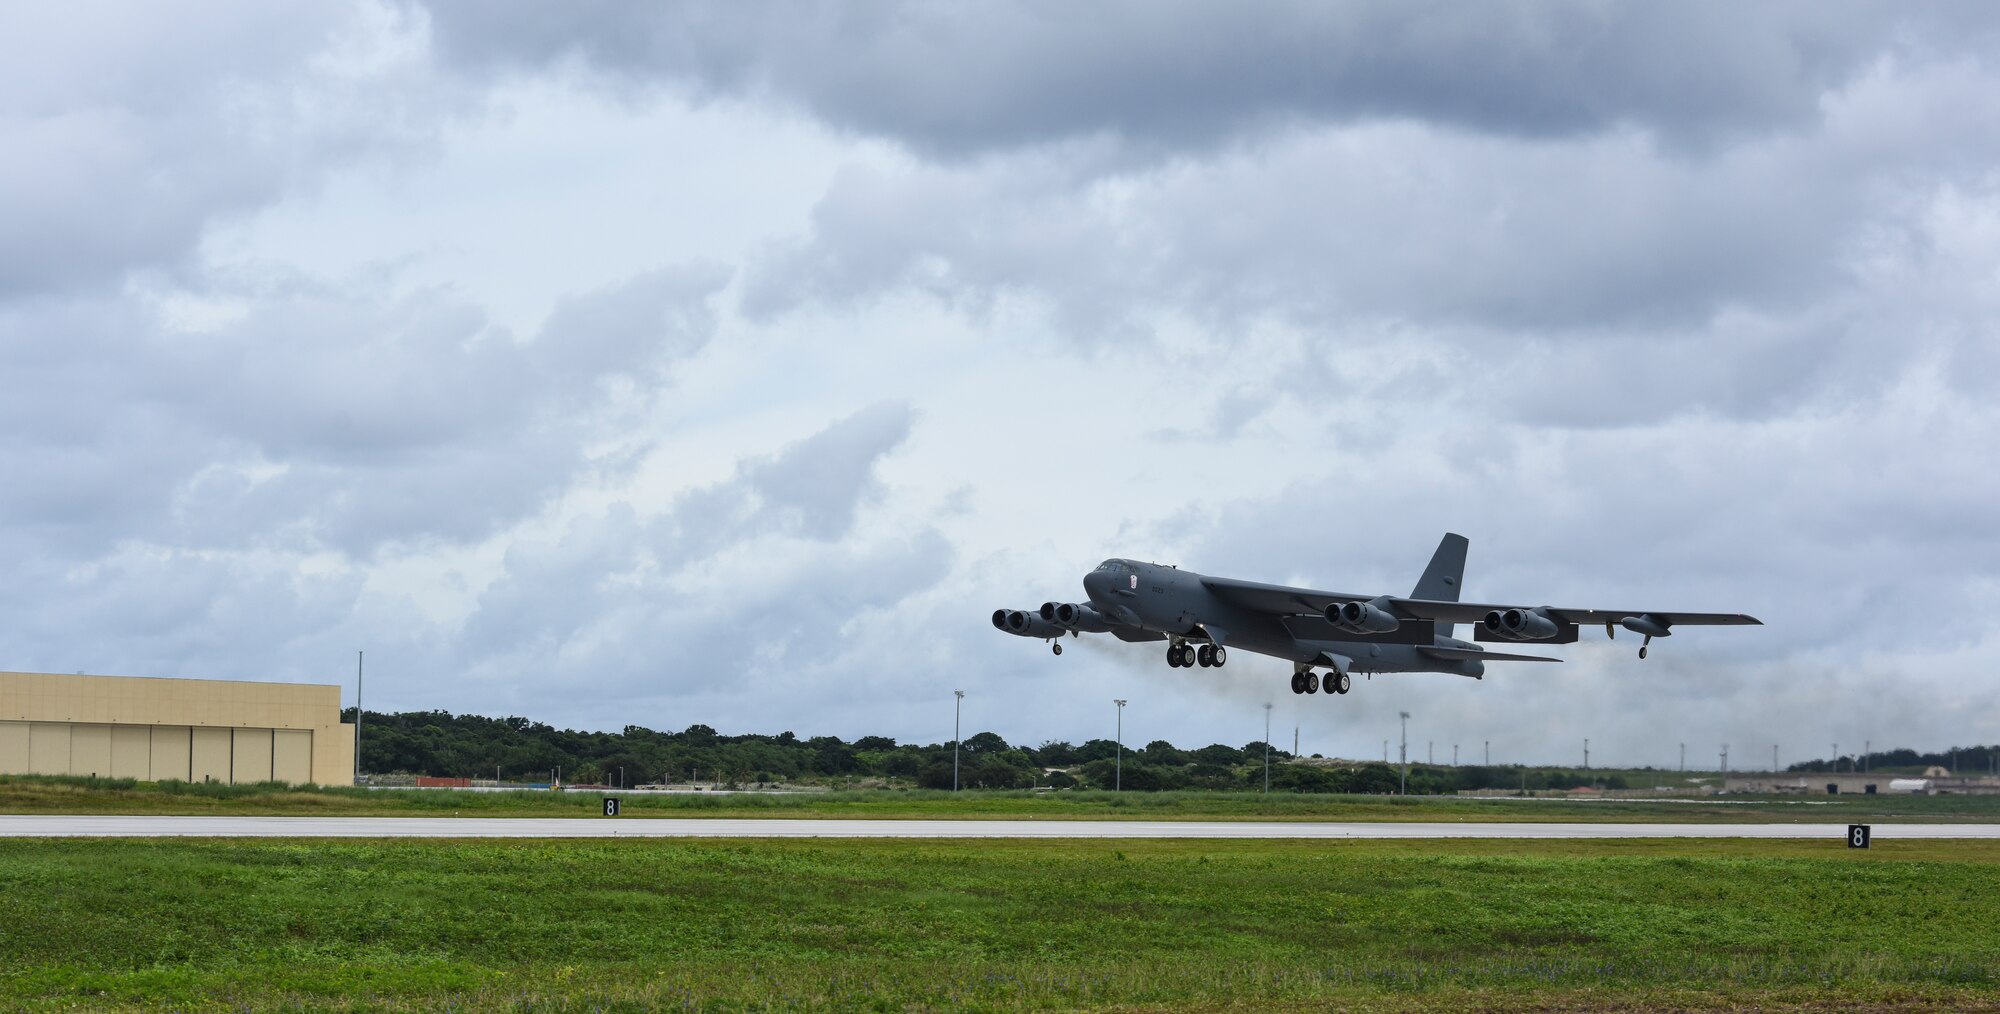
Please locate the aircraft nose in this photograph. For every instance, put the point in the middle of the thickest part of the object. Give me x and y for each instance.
(1093, 585)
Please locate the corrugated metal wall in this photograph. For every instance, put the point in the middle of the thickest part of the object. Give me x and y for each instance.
(157, 753)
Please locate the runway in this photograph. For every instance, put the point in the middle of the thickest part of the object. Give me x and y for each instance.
(22, 826)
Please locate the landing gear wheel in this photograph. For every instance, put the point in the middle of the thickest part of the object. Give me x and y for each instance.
(1205, 655)
(1312, 682)
(1298, 683)
(1058, 649)
(1221, 655)
(1642, 647)
(1339, 682)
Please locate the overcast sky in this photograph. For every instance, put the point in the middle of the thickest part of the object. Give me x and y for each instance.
(657, 364)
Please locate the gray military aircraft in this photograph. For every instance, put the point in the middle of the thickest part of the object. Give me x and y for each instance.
(1201, 618)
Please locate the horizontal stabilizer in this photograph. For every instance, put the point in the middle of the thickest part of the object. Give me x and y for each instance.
(1439, 651)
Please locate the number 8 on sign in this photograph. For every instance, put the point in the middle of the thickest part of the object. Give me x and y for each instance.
(611, 806)
(1857, 836)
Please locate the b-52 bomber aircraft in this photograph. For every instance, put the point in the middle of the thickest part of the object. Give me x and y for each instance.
(1202, 617)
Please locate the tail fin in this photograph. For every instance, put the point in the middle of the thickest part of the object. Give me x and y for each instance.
(1446, 572)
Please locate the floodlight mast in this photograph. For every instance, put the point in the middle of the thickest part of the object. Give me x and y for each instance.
(357, 718)
(1403, 755)
(1267, 748)
(957, 698)
(1119, 784)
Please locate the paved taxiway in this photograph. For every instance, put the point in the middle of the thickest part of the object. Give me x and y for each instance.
(16, 826)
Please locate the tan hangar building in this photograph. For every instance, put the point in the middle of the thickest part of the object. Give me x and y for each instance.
(156, 730)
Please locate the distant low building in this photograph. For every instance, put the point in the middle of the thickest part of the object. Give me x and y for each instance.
(1936, 781)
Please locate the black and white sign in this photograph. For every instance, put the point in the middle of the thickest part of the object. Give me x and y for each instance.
(611, 806)
(1857, 836)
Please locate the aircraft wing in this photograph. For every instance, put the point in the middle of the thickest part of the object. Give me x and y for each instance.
(1440, 651)
(1281, 600)
(1277, 599)
(1473, 612)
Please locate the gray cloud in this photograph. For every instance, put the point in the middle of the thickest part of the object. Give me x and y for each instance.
(748, 579)
(1404, 223)
(320, 418)
(131, 132)
(970, 78)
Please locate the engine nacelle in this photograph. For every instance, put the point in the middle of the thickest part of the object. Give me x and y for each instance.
(1070, 616)
(1361, 618)
(1527, 624)
(1646, 624)
(1025, 624)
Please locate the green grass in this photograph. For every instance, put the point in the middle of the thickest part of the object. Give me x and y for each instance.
(39, 794)
(787, 924)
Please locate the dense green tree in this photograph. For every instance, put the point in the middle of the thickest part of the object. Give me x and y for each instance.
(984, 742)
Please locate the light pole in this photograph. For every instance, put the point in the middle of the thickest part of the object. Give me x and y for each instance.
(1119, 784)
(957, 698)
(1586, 753)
(1454, 755)
(1489, 753)
(1684, 757)
(1267, 748)
(1774, 758)
(1725, 764)
(1403, 755)
(357, 718)
(1836, 758)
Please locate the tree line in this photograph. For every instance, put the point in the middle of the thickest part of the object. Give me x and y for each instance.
(1964, 760)
(516, 749)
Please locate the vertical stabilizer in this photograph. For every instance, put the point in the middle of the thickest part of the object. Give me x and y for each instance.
(1446, 572)
(1442, 578)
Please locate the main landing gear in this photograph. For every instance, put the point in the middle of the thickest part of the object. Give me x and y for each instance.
(1182, 655)
(1306, 681)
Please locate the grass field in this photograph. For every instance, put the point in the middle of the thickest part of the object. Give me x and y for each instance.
(32, 794)
(995, 925)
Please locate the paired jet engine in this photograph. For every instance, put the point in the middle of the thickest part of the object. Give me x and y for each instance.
(1076, 618)
(1521, 624)
(1026, 624)
(1361, 617)
(1054, 619)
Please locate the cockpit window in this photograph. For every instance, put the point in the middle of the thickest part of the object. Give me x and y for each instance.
(1114, 567)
